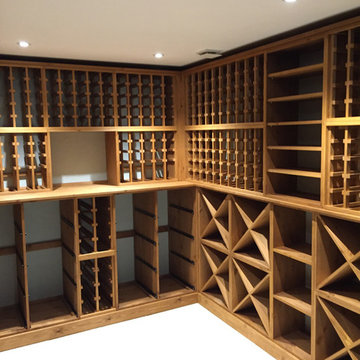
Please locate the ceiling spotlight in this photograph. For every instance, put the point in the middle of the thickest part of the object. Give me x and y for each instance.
(158, 55)
(23, 44)
(289, 1)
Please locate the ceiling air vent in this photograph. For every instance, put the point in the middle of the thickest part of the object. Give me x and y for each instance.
(209, 53)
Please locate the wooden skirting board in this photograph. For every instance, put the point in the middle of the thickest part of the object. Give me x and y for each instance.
(109, 317)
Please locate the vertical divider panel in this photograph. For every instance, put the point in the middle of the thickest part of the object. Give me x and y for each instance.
(146, 243)
(313, 286)
(21, 262)
(70, 253)
(182, 235)
(272, 235)
(113, 157)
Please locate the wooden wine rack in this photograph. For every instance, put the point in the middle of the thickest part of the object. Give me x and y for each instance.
(259, 153)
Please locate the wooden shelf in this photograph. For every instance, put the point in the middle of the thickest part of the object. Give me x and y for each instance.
(86, 190)
(300, 97)
(299, 71)
(294, 172)
(299, 299)
(299, 252)
(295, 123)
(295, 148)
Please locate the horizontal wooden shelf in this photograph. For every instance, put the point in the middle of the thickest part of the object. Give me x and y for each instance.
(67, 129)
(300, 97)
(343, 121)
(303, 70)
(294, 172)
(302, 252)
(229, 126)
(299, 299)
(85, 190)
(295, 148)
(295, 123)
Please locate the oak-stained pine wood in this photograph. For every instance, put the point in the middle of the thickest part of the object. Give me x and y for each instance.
(246, 240)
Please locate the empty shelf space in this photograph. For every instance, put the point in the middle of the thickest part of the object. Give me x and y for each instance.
(299, 71)
(296, 342)
(50, 311)
(132, 294)
(299, 299)
(296, 172)
(292, 283)
(293, 234)
(292, 330)
(170, 286)
(299, 97)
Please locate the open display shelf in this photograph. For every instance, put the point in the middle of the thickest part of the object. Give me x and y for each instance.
(295, 85)
(234, 183)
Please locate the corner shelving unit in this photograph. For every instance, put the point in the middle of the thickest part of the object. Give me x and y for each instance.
(234, 183)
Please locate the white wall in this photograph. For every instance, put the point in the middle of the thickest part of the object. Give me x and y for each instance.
(78, 157)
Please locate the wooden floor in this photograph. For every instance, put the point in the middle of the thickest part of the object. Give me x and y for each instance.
(50, 311)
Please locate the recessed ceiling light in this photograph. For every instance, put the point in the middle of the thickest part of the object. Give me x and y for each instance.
(158, 55)
(289, 1)
(23, 44)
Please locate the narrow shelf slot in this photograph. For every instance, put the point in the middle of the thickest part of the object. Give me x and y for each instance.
(293, 330)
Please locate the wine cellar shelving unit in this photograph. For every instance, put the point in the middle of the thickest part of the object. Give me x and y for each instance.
(259, 156)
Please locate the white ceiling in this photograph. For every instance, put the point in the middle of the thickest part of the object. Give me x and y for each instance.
(133, 30)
